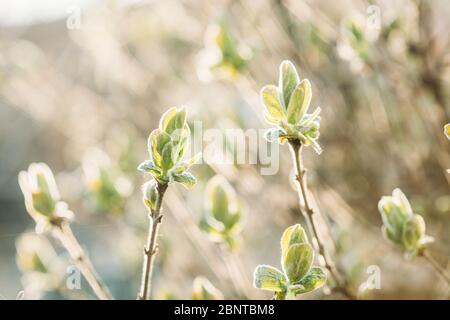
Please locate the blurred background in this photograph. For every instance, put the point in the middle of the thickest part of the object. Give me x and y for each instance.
(83, 83)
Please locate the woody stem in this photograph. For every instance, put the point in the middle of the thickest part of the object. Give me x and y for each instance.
(150, 249)
(308, 213)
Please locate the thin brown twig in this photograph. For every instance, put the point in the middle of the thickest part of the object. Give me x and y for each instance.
(308, 213)
(151, 248)
(64, 233)
(437, 267)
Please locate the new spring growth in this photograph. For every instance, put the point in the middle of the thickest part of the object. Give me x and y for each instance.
(401, 225)
(42, 269)
(298, 276)
(42, 197)
(34, 253)
(166, 146)
(286, 107)
(223, 54)
(150, 191)
(203, 289)
(223, 218)
(107, 187)
(43, 204)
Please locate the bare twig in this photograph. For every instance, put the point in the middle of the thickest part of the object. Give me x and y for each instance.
(64, 233)
(437, 267)
(308, 213)
(151, 248)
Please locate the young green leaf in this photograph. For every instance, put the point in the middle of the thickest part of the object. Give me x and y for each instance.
(270, 98)
(187, 179)
(149, 167)
(292, 235)
(299, 102)
(168, 156)
(402, 201)
(269, 278)
(173, 119)
(273, 134)
(313, 280)
(413, 231)
(288, 81)
(298, 261)
(150, 194)
(40, 192)
(156, 141)
(43, 203)
(224, 212)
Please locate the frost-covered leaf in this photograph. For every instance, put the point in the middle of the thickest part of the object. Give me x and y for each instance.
(273, 134)
(299, 102)
(298, 261)
(288, 80)
(312, 281)
(149, 167)
(292, 235)
(269, 278)
(186, 178)
(413, 231)
(270, 98)
(173, 119)
(150, 194)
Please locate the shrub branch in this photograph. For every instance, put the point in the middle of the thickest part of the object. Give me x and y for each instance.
(151, 248)
(436, 266)
(64, 233)
(308, 214)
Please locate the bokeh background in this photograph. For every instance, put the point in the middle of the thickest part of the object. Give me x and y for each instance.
(82, 84)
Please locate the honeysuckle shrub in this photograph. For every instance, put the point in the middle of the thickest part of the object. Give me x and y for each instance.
(287, 108)
(224, 212)
(167, 146)
(203, 289)
(401, 225)
(42, 198)
(298, 275)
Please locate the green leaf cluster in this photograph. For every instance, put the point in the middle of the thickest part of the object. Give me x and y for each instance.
(401, 225)
(42, 268)
(223, 217)
(298, 276)
(232, 57)
(287, 107)
(42, 196)
(103, 190)
(167, 146)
